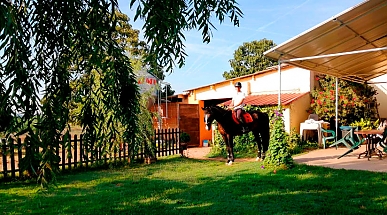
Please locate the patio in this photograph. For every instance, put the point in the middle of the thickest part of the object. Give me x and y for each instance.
(320, 157)
(328, 158)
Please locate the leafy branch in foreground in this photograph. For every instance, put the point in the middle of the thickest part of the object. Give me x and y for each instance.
(166, 21)
(40, 40)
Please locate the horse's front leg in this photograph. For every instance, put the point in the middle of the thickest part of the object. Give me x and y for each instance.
(230, 149)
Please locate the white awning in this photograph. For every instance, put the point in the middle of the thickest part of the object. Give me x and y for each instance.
(351, 45)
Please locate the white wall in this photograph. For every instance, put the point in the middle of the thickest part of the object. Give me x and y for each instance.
(286, 118)
(219, 92)
(298, 112)
(381, 97)
(292, 80)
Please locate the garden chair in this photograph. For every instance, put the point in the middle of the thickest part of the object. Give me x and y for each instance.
(360, 141)
(325, 136)
(348, 137)
(313, 116)
(382, 142)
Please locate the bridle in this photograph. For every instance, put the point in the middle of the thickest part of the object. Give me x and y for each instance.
(207, 115)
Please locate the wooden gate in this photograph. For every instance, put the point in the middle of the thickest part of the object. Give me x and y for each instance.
(189, 122)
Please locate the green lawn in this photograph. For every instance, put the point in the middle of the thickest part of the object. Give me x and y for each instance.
(183, 186)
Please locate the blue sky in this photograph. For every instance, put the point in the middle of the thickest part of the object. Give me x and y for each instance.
(277, 20)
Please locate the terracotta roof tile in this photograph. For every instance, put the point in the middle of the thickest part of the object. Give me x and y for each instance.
(270, 99)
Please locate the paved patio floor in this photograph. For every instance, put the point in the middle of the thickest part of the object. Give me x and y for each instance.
(321, 157)
(328, 158)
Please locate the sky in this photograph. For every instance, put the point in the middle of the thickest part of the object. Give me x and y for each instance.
(277, 20)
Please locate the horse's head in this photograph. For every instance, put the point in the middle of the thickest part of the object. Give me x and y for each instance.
(208, 117)
(211, 114)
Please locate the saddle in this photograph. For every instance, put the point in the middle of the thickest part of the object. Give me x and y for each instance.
(247, 118)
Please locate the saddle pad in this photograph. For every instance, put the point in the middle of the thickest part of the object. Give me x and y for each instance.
(247, 118)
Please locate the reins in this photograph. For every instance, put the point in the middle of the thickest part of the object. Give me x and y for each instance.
(224, 114)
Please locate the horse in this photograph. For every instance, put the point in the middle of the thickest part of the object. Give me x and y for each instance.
(229, 128)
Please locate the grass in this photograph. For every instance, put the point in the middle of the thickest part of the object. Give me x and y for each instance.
(176, 185)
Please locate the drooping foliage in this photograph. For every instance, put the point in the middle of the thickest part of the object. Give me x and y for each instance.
(249, 59)
(171, 18)
(127, 39)
(40, 41)
(46, 44)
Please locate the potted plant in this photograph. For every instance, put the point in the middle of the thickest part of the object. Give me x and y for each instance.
(184, 139)
(365, 124)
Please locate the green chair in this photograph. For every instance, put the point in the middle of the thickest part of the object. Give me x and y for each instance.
(356, 140)
(348, 137)
(328, 137)
(361, 141)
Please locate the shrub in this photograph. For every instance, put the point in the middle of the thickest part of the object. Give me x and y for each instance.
(356, 100)
(278, 155)
(184, 137)
(294, 142)
(365, 124)
(218, 147)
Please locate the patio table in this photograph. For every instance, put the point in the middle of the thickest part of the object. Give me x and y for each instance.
(371, 142)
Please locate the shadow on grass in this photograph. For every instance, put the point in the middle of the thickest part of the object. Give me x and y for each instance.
(185, 186)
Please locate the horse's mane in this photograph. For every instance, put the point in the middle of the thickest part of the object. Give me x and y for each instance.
(220, 109)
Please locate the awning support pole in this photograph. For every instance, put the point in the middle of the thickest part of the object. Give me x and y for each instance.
(279, 91)
(337, 106)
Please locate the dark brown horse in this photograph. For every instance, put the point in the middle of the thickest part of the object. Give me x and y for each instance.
(228, 128)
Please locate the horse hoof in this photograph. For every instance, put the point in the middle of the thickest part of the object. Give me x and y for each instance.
(229, 163)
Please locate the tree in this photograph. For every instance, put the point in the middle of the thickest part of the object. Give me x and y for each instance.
(249, 59)
(167, 91)
(41, 40)
(127, 39)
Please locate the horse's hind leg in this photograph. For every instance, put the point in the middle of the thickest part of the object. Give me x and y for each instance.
(259, 144)
(265, 138)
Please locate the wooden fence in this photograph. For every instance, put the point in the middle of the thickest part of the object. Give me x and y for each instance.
(75, 156)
